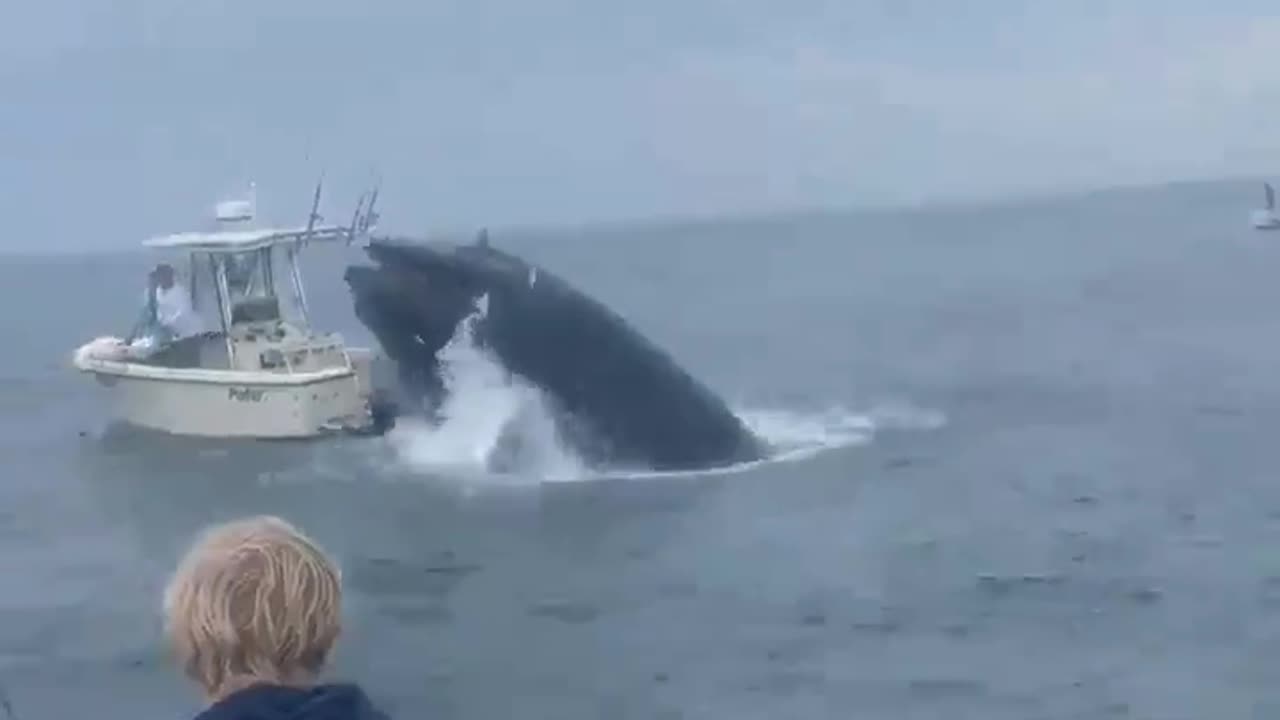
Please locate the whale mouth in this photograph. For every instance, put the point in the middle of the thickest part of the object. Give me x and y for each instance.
(412, 293)
(460, 264)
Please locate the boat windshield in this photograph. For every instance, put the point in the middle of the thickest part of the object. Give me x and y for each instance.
(258, 287)
(249, 275)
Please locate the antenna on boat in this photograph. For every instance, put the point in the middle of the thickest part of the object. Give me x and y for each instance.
(370, 220)
(315, 211)
(364, 219)
(355, 219)
(292, 251)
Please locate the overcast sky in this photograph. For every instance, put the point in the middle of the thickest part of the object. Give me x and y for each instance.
(127, 118)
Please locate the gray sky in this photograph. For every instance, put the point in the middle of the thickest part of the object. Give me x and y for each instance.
(130, 117)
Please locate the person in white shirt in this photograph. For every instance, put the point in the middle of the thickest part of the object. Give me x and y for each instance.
(173, 312)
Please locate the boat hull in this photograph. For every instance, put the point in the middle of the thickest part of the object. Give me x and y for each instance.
(204, 403)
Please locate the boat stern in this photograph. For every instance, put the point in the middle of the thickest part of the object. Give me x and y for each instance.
(378, 410)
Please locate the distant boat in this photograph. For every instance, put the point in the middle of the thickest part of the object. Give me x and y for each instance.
(1266, 218)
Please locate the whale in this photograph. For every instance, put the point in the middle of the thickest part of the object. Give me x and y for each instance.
(616, 398)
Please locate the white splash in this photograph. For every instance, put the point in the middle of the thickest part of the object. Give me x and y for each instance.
(486, 411)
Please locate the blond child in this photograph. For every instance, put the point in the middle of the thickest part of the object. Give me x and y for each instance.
(252, 614)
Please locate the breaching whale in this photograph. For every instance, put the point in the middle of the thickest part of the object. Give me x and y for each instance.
(617, 399)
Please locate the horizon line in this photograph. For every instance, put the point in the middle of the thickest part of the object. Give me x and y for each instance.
(694, 220)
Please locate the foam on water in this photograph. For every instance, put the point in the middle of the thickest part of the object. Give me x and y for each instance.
(495, 428)
(486, 411)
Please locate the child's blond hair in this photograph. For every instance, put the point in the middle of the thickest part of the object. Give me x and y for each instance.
(253, 601)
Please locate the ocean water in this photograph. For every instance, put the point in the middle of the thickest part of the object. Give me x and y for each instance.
(1029, 471)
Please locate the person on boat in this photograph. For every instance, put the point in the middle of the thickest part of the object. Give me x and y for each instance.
(252, 614)
(169, 315)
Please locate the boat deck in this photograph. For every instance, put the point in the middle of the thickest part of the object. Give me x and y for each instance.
(255, 352)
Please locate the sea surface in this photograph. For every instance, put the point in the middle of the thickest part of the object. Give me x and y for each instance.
(1029, 469)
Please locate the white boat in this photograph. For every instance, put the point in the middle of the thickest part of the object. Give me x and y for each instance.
(260, 371)
(1265, 218)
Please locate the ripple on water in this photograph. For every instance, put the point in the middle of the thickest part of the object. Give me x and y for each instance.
(569, 612)
(434, 577)
(415, 613)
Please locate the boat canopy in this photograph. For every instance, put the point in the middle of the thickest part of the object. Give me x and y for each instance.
(233, 273)
(240, 241)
